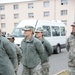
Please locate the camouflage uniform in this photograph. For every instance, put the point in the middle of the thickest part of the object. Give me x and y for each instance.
(18, 56)
(32, 71)
(71, 48)
(16, 64)
(33, 55)
(7, 57)
(17, 51)
(48, 51)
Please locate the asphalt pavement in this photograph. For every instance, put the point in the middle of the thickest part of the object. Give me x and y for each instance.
(58, 62)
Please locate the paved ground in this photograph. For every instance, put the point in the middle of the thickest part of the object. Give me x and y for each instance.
(59, 62)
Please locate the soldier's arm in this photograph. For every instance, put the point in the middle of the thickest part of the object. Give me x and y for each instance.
(18, 51)
(10, 50)
(49, 48)
(67, 45)
(40, 50)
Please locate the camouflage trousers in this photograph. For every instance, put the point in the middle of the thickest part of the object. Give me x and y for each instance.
(71, 70)
(45, 68)
(34, 71)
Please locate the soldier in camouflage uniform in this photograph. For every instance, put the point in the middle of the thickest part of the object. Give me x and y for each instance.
(7, 57)
(18, 51)
(71, 48)
(47, 47)
(33, 53)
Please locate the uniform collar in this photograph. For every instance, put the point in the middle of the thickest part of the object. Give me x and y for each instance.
(31, 39)
(42, 40)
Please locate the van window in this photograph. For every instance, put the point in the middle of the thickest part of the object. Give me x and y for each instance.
(55, 31)
(18, 32)
(47, 31)
(62, 31)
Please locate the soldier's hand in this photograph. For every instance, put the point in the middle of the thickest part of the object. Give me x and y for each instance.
(45, 67)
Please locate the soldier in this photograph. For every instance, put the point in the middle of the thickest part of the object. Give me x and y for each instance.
(47, 47)
(70, 45)
(33, 53)
(2, 33)
(18, 51)
(7, 57)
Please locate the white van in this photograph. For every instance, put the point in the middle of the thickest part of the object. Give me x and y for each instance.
(54, 32)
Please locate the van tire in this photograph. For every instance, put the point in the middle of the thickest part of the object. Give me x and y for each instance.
(58, 50)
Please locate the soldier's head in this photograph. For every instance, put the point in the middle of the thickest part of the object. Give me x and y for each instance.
(39, 32)
(11, 38)
(73, 27)
(28, 30)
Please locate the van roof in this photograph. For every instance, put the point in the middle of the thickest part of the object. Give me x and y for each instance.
(33, 22)
(26, 22)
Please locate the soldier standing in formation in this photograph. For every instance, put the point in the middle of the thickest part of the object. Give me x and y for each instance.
(33, 53)
(7, 57)
(18, 51)
(47, 47)
(70, 45)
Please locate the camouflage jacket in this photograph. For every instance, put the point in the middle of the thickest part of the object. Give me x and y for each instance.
(33, 52)
(7, 57)
(70, 46)
(18, 52)
(47, 47)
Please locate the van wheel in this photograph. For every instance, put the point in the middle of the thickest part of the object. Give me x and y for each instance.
(58, 50)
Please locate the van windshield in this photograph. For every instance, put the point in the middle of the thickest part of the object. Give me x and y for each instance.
(18, 32)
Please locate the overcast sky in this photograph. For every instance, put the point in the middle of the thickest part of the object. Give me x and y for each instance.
(8, 1)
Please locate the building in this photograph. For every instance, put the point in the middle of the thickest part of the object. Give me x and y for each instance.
(13, 12)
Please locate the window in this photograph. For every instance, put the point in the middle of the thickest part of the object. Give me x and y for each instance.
(62, 31)
(46, 4)
(3, 25)
(18, 32)
(55, 31)
(30, 15)
(30, 5)
(64, 2)
(63, 12)
(46, 13)
(47, 31)
(15, 24)
(2, 16)
(2, 7)
(16, 6)
(16, 16)
(64, 21)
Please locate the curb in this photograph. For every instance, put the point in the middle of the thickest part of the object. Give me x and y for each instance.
(64, 72)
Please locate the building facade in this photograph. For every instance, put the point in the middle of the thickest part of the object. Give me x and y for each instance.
(12, 13)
